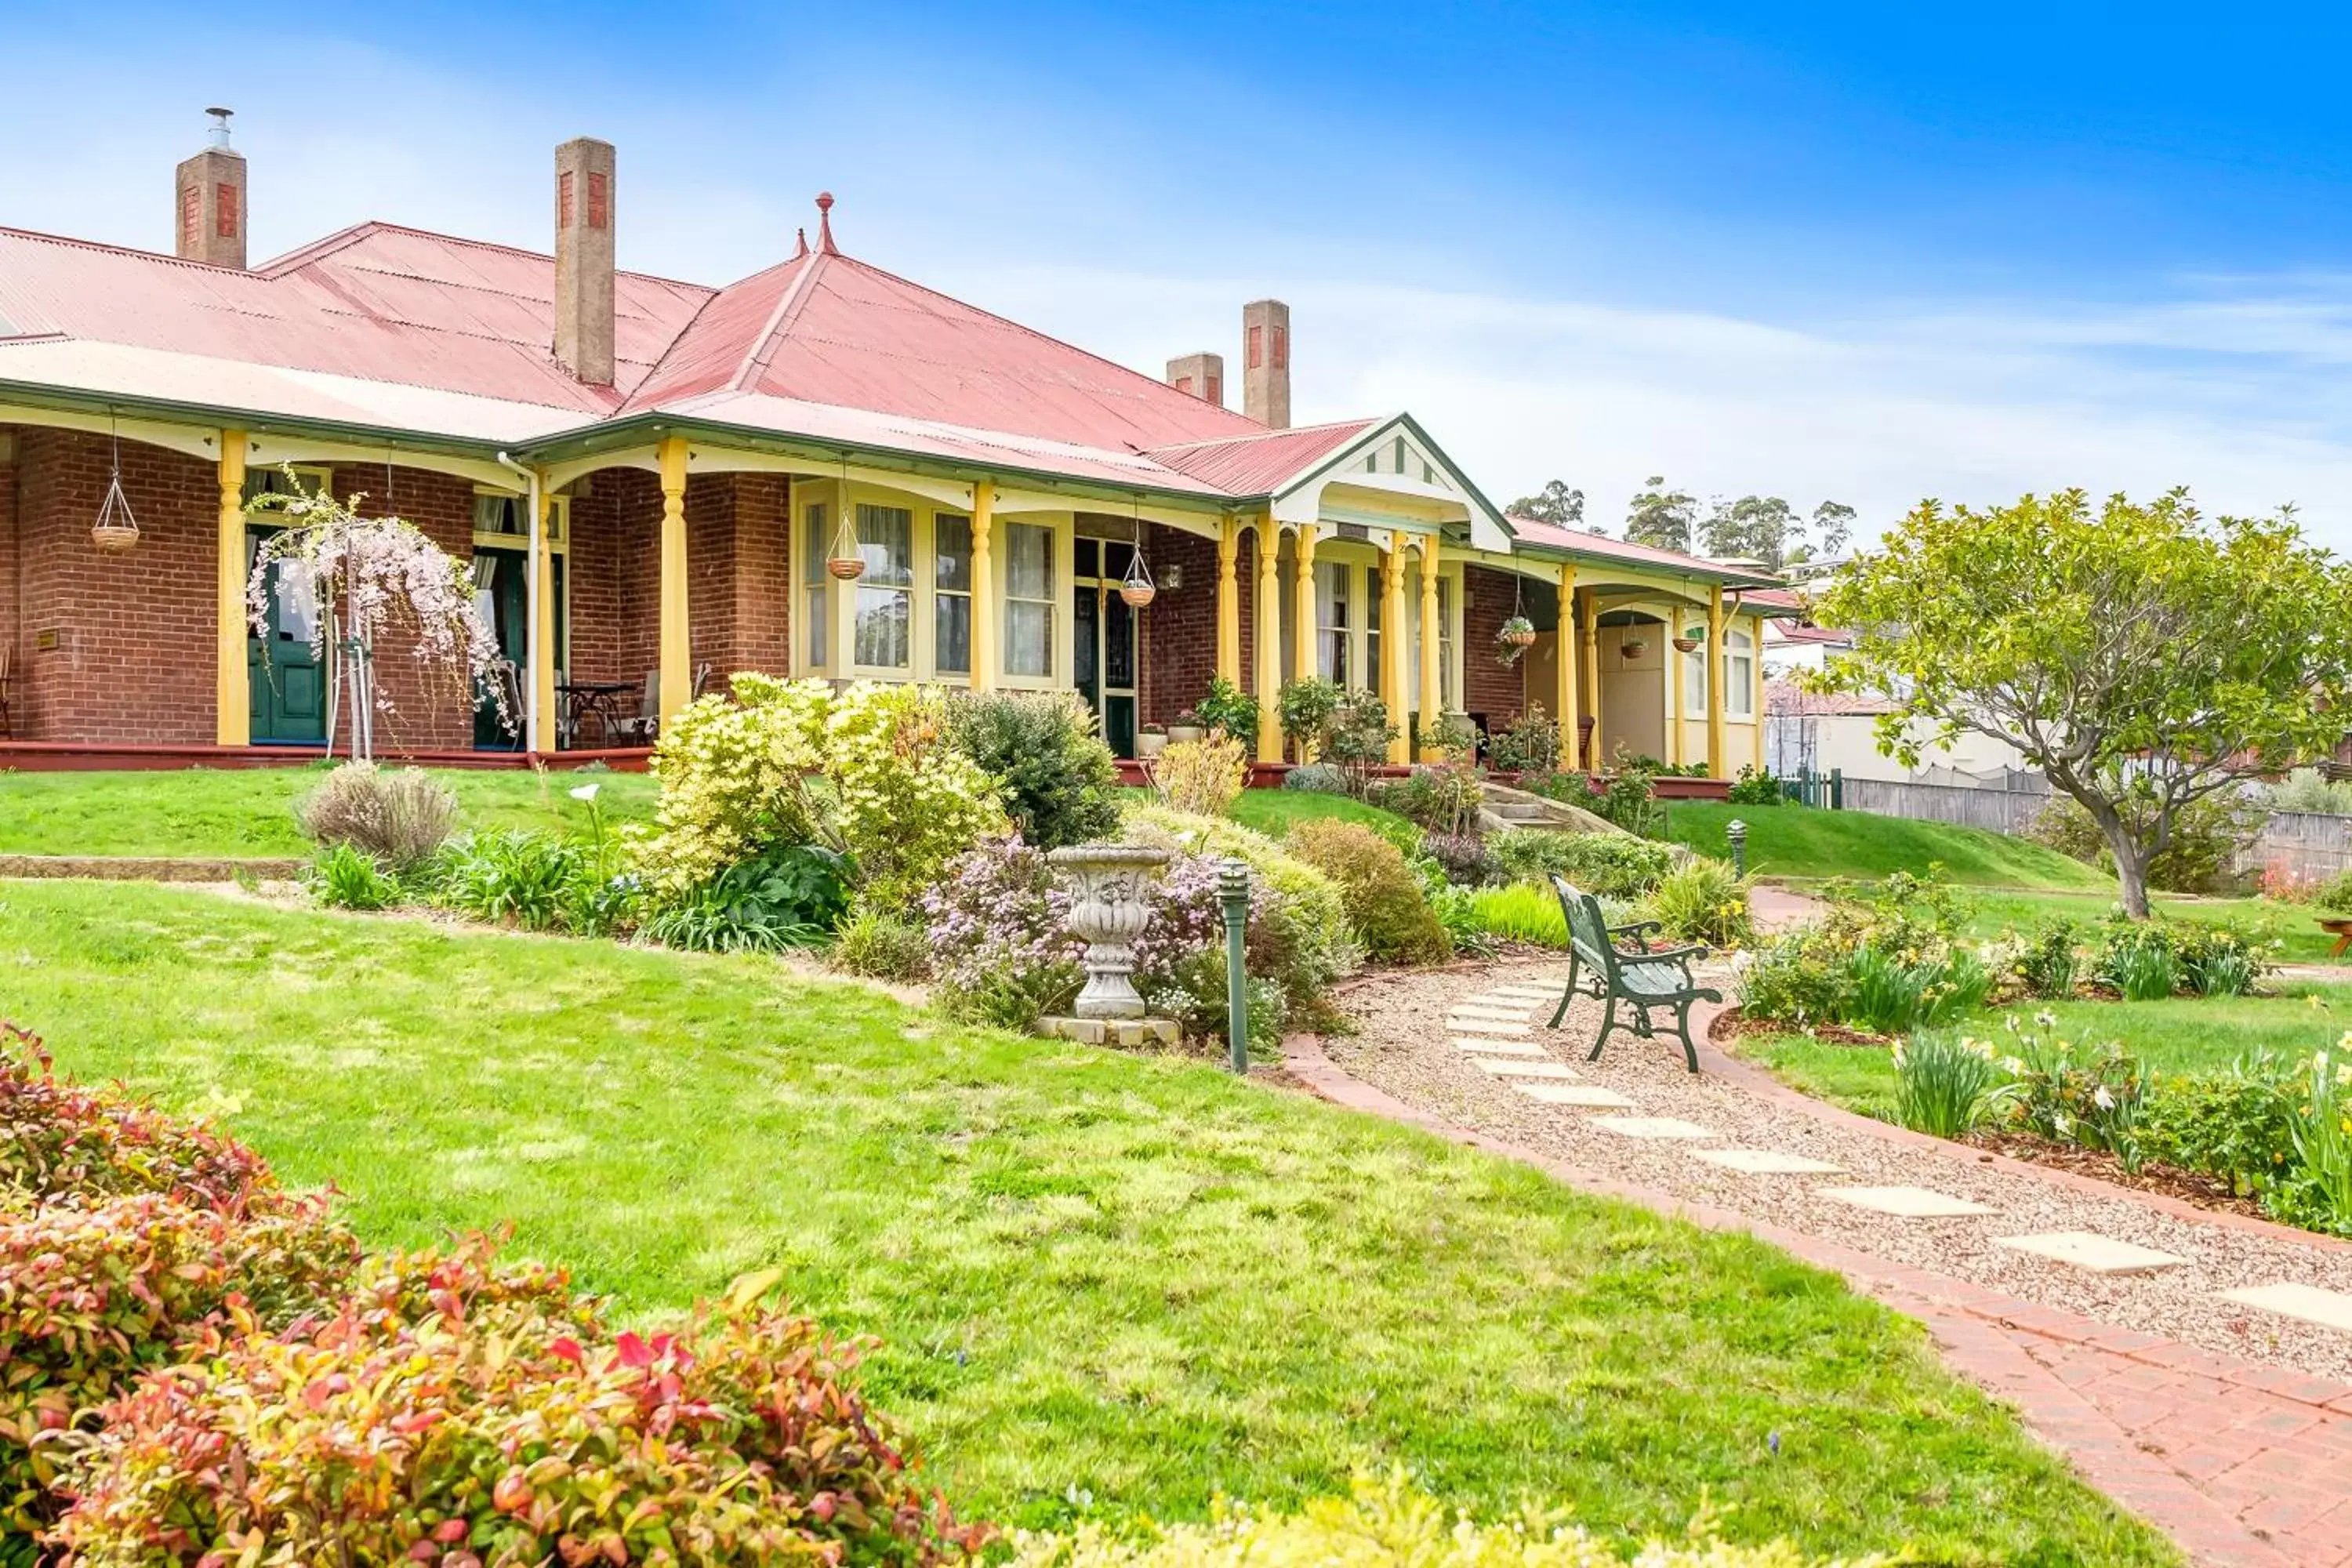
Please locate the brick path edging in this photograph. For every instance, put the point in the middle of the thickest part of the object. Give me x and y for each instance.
(1986, 1336)
(152, 867)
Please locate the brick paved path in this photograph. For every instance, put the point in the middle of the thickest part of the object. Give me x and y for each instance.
(2240, 1462)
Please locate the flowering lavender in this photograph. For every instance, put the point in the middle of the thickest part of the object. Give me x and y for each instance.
(998, 915)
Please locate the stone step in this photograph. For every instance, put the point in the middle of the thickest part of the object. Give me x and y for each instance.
(2088, 1249)
(2330, 1309)
(1905, 1202)
(1472, 1024)
(1652, 1127)
(1495, 1047)
(1513, 1067)
(1585, 1094)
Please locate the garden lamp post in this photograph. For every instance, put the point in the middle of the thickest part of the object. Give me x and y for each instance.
(1736, 831)
(1233, 894)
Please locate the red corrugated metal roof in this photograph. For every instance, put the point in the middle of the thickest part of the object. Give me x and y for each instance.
(1261, 461)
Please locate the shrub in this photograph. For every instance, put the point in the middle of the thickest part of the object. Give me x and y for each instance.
(1389, 1525)
(2322, 1131)
(1606, 865)
(1318, 943)
(882, 944)
(64, 1140)
(1755, 787)
(1303, 707)
(1203, 777)
(2334, 895)
(400, 817)
(2076, 1092)
(908, 803)
(738, 774)
(1884, 957)
(1629, 796)
(1228, 708)
(1441, 799)
(343, 877)
(1355, 739)
(1042, 750)
(2236, 1125)
(1383, 902)
(2149, 960)
(2306, 789)
(1702, 900)
(2045, 962)
(487, 1438)
(1319, 778)
(792, 896)
(1944, 1084)
(1001, 942)
(1463, 857)
(93, 1296)
(1890, 994)
(1529, 744)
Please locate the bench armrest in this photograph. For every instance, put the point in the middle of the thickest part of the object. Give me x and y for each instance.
(1636, 929)
(1682, 955)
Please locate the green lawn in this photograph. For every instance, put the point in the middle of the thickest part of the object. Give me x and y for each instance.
(1798, 841)
(1272, 811)
(250, 811)
(1095, 1273)
(2183, 1034)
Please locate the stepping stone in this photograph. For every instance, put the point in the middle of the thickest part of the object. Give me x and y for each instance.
(1652, 1127)
(2088, 1249)
(1477, 1026)
(1497, 1047)
(2330, 1309)
(1486, 1010)
(1530, 992)
(1587, 1094)
(1909, 1202)
(1507, 1066)
(1766, 1163)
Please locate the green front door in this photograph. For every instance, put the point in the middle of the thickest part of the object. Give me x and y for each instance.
(501, 597)
(289, 689)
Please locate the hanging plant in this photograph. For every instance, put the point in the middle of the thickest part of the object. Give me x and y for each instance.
(1688, 641)
(848, 561)
(370, 575)
(1139, 590)
(116, 529)
(1634, 648)
(1513, 638)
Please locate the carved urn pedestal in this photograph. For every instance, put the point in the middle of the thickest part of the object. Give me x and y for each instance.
(1109, 907)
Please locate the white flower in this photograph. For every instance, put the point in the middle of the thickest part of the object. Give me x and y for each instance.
(2062, 1123)
(2046, 1019)
(2103, 1100)
(2009, 1023)
(2014, 1065)
(585, 791)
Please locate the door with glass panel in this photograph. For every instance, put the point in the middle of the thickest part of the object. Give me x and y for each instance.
(1106, 658)
(284, 678)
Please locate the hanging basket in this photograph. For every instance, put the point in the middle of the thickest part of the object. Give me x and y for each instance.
(1138, 589)
(1688, 644)
(1138, 595)
(116, 529)
(848, 568)
(1634, 648)
(1520, 637)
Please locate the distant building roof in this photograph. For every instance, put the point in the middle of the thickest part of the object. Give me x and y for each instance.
(1578, 541)
(1789, 698)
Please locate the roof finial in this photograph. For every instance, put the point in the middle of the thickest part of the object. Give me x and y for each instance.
(803, 246)
(825, 224)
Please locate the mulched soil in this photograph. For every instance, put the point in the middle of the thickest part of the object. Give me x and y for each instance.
(1730, 1024)
(2188, 1186)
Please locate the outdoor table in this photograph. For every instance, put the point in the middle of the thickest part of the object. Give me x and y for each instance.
(2341, 931)
(601, 698)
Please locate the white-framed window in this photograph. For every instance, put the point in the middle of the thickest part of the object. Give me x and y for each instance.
(951, 593)
(815, 582)
(1446, 698)
(1738, 675)
(885, 625)
(1028, 600)
(1376, 674)
(1694, 674)
(1334, 581)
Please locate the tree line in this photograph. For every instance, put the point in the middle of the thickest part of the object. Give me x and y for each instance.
(1753, 528)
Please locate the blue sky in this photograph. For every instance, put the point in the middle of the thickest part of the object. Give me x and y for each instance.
(1866, 252)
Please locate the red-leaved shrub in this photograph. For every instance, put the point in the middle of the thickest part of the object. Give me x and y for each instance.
(92, 1297)
(61, 1141)
(499, 1438)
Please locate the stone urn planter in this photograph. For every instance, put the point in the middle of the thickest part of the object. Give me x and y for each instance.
(1150, 743)
(1109, 909)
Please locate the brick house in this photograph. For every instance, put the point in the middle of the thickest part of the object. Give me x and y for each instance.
(648, 479)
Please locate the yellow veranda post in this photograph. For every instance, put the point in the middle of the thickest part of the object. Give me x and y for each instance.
(232, 698)
(1392, 643)
(1432, 679)
(1716, 751)
(1565, 703)
(542, 673)
(1269, 641)
(984, 662)
(676, 681)
(1593, 754)
(1229, 600)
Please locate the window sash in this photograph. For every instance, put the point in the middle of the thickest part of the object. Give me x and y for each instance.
(885, 539)
(1028, 600)
(816, 579)
(951, 593)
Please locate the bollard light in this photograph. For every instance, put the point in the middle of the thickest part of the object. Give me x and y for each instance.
(1737, 832)
(1234, 893)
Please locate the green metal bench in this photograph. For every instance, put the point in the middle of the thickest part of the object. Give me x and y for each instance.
(1642, 979)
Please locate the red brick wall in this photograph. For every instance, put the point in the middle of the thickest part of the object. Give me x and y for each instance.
(11, 650)
(132, 659)
(1493, 691)
(1179, 625)
(431, 706)
(738, 573)
(616, 570)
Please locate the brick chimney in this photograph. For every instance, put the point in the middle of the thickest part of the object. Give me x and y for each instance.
(208, 200)
(1266, 362)
(1199, 375)
(583, 260)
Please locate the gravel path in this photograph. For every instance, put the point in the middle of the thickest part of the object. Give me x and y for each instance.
(1405, 1047)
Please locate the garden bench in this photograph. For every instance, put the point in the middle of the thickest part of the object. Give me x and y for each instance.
(2341, 930)
(1642, 980)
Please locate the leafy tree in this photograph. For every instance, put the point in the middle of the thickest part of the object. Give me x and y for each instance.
(1833, 526)
(2143, 657)
(1661, 518)
(1753, 528)
(1555, 504)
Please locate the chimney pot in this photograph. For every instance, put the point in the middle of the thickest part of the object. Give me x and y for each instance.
(1201, 375)
(583, 260)
(208, 205)
(1266, 362)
